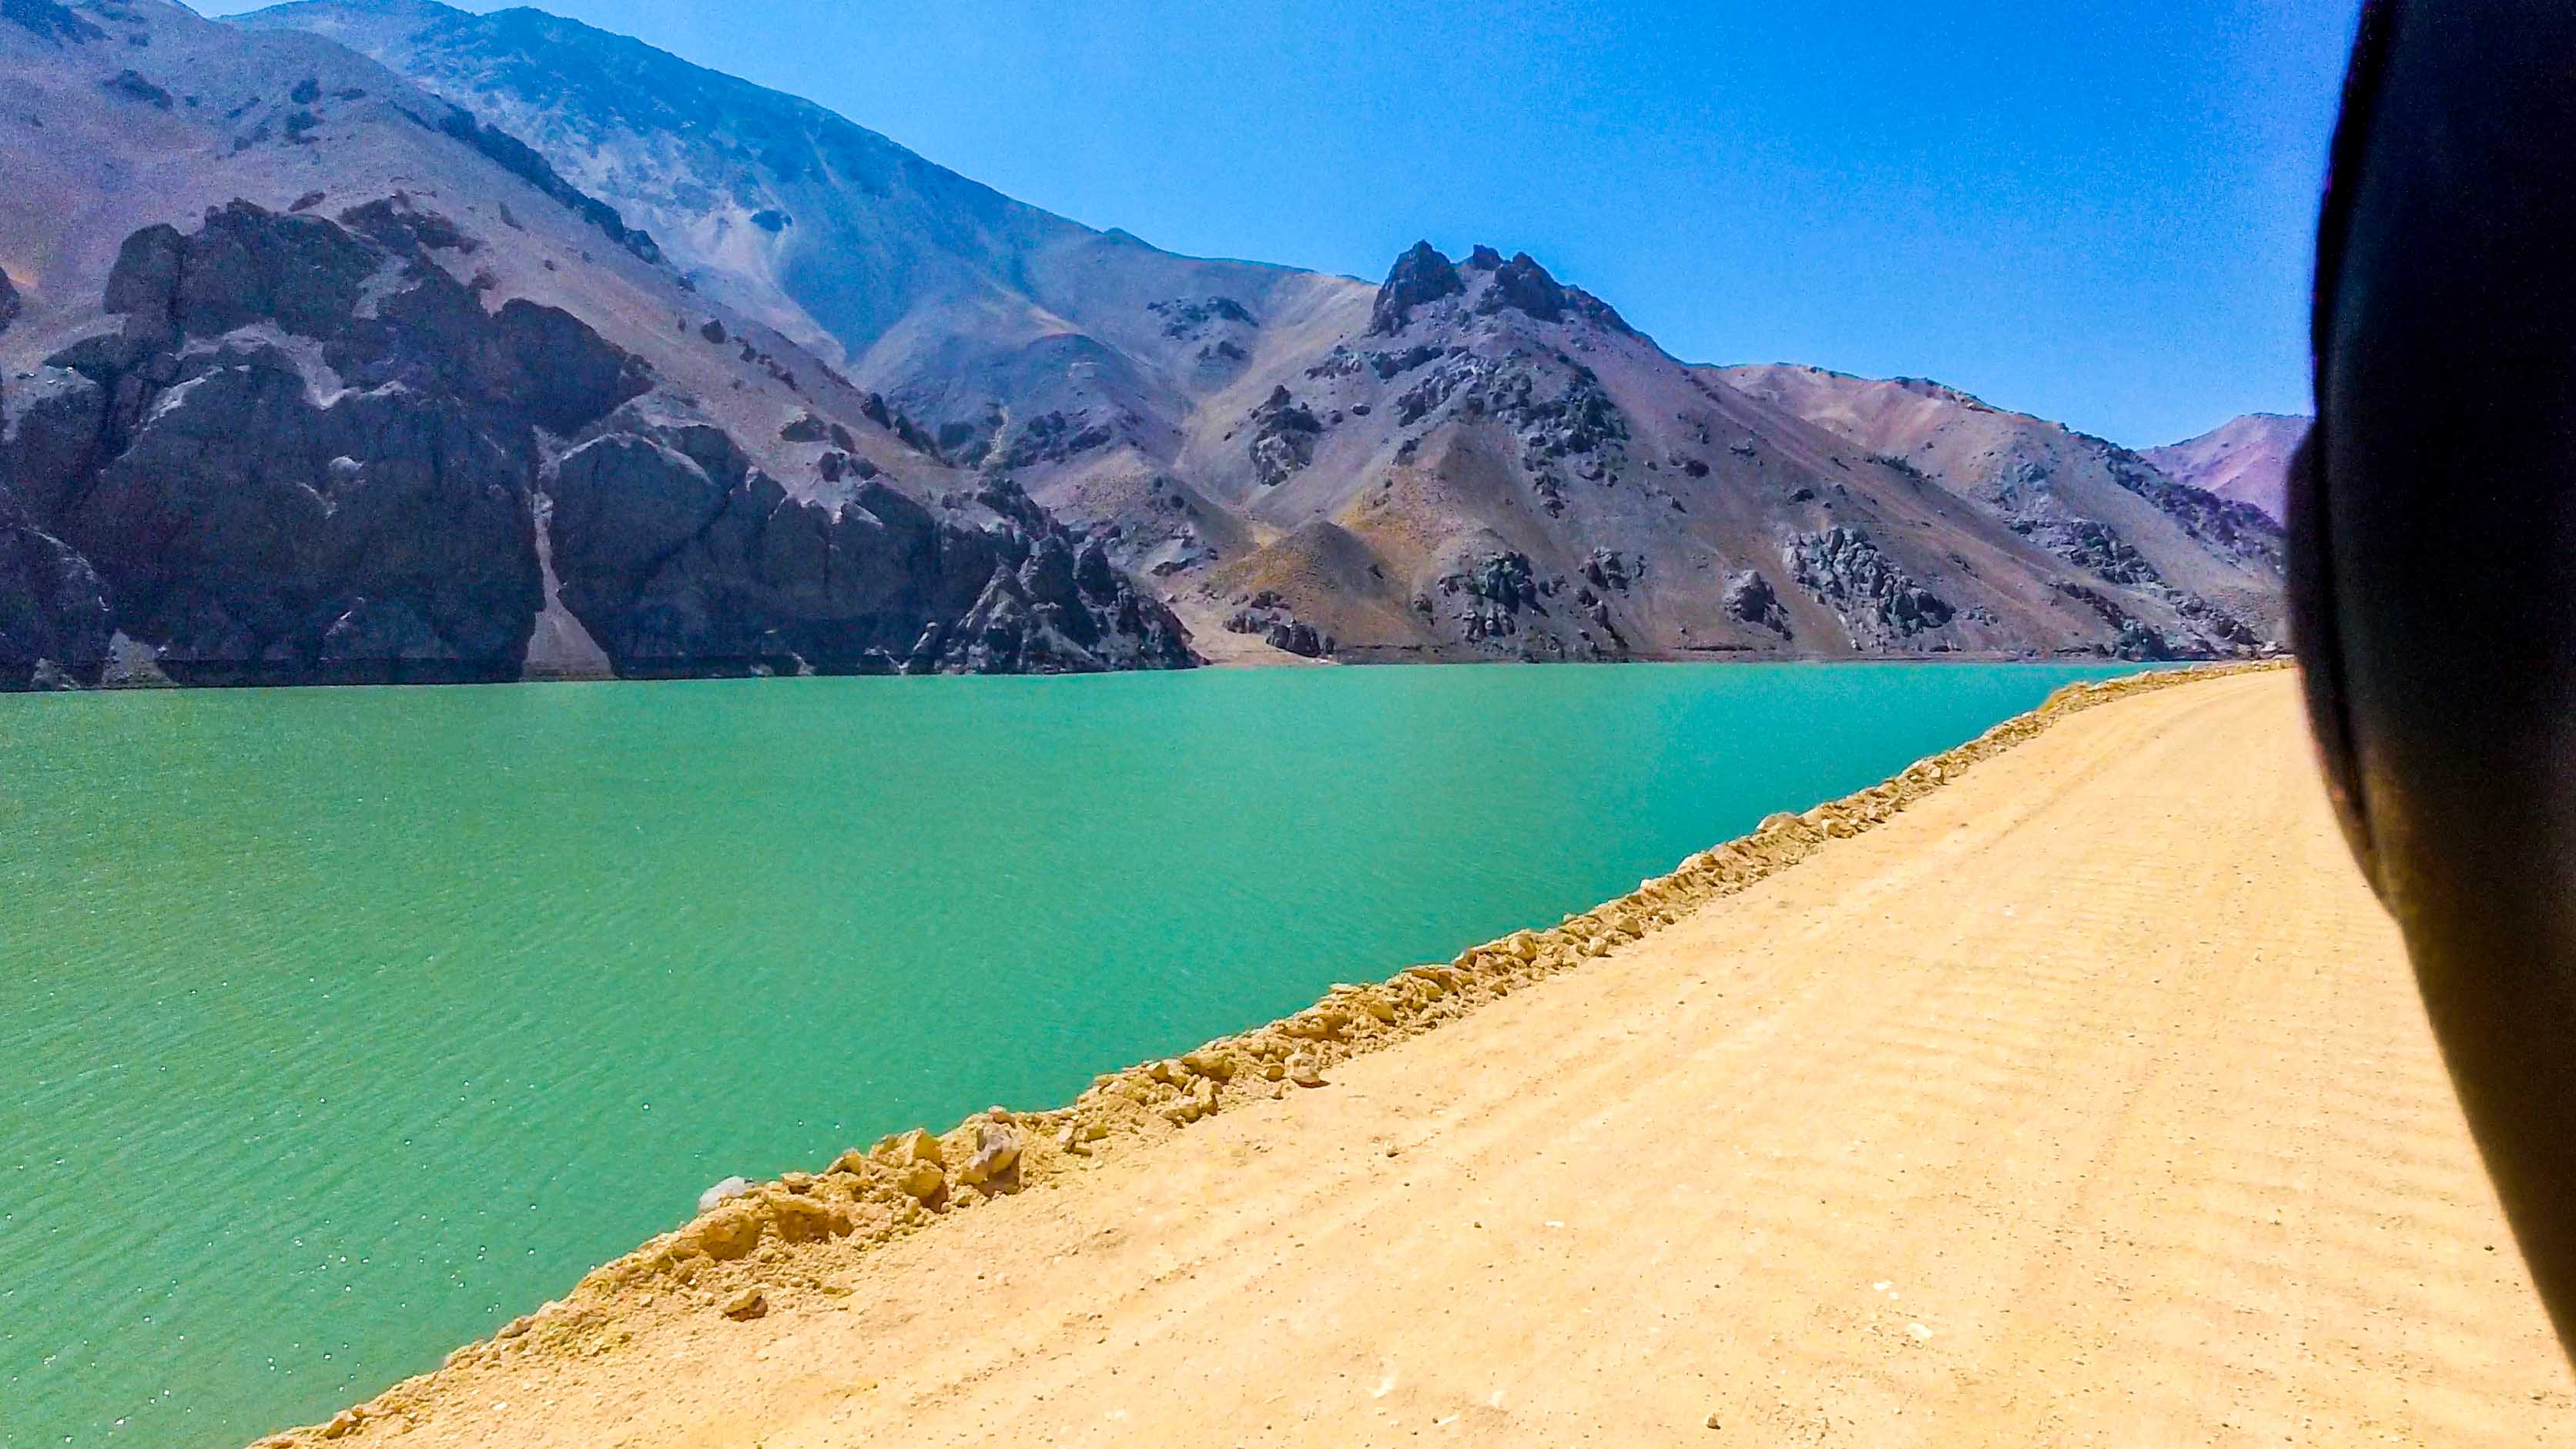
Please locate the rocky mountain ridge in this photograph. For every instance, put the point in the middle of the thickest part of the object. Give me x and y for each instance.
(789, 398)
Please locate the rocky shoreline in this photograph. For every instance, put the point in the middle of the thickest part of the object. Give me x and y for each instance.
(741, 1257)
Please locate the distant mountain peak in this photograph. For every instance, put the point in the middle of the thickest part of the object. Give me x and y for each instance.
(1423, 275)
(2246, 459)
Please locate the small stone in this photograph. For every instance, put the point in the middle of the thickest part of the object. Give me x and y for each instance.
(922, 1181)
(797, 1182)
(1272, 1071)
(1712, 1421)
(342, 1424)
(996, 1151)
(911, 1147)
(722, 1193)
(746, 1305)
(1303, 1071)
(1070, 1140)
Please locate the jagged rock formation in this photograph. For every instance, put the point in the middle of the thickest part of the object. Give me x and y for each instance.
(1485, 462)
(2244, 460)
(680, 556)
(274, 483)
(465, 427)
(1269, 616)
(1283, 437)
(310, 455)
(1421, 276)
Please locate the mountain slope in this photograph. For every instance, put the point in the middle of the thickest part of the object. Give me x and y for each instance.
(2172, 568)
(1488, 463)
(2246, 459)
(312, 376)
(972, 311)
(1469, 462)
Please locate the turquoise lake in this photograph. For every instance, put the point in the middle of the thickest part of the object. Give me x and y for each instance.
(338, 1027)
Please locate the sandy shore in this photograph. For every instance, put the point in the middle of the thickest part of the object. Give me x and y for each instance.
(2070, 1092)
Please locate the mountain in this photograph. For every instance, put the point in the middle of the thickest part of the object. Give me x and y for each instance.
(730, 384)
(1484, 462)
(976, 314)
(2167, 565)
(2246, 459)
(309, 376)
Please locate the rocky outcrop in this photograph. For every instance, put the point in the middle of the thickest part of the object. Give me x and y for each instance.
(1284, 433)
(306, 455)
(1267, 615)
(10, 305)
(682, 559)
(1419, 276)
(310, 455)
(1750, 598)
(54, 624)
(1845, 570)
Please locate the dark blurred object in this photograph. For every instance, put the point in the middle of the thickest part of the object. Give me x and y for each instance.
(2433, 566)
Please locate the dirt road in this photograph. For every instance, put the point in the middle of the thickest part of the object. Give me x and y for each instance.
(2086, 1102)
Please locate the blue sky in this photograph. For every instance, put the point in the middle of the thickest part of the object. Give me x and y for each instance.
(2099, 212)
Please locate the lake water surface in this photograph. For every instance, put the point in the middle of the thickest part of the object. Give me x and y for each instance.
(337, 1027)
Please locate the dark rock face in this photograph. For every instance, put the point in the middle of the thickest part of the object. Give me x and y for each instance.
(1420, 275)
(253, 527)
(311, 456)
(9, 302)
(2137, 639)
(1524, 284)
(1565, 419)
(1495, 592)
(1613, 572)
(1052, 437)
(1269, 616)
(681, 559)
(53, 607)
(1191, 317)
(1749, 597)
(1284, 433)
(1878, 602)
(2240, 530)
